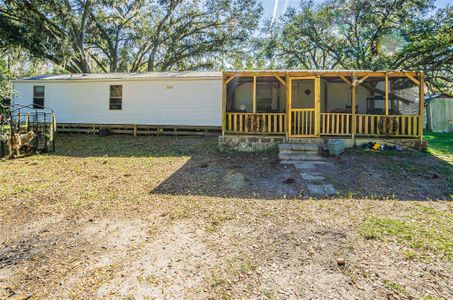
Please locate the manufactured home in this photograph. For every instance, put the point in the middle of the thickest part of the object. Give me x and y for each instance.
(84, 102)
(285, 104)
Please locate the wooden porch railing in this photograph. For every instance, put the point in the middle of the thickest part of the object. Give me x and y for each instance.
(391, 125)
(336, 123)
(258, 123)
(302, 122)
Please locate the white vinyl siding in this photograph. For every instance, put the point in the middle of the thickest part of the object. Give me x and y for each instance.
(186, 102)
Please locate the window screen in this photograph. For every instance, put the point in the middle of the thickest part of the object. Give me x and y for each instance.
(116, 97)
(38, 96)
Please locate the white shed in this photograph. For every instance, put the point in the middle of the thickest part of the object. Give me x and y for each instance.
(439, 113)
(154, 98)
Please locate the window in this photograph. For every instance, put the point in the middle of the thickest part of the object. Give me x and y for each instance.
(116, 97)
(38, 96)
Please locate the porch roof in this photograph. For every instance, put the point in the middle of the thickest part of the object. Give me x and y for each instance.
(125, 76)
(323, 73)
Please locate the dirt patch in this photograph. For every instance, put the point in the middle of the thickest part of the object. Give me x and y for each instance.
(404, 175)
(174, 218)
(235, 175)
(173, 265)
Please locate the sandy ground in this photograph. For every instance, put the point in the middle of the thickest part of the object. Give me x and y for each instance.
(165, 218)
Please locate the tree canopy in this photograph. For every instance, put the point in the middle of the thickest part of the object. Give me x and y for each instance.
(83, 36)
(5, 84)
(365, 35)
(129, 35)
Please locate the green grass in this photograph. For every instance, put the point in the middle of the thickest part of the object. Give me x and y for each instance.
(217, 221)
(429, 297)
(395, 287)
(406, 163)
(426, 230)
(440, 145)
(439, 142)
(410, 254)
(247, 267)
(414, 163)
(216, 280)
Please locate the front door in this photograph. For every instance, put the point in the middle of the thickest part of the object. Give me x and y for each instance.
(304, 104)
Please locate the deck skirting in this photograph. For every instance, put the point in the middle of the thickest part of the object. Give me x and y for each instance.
(136, 129)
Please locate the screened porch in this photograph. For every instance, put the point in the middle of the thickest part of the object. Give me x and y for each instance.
(255, 104)
(323, 103)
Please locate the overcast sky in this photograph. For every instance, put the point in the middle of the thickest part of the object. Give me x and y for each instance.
(275, 8)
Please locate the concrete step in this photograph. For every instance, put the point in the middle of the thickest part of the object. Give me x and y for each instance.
(289, 162)
(285, 151)
(304, 147)
(321, 189)
(312, 177)
(311, 165)
(284, 147)
(287, 148)
(300, 156)
(317, 141)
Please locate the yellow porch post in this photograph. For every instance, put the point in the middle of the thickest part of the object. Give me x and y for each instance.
(290, 100)
(317, 104)
(353, 104)
(422, 104)
(223, 104)
(386, 94)
(288, 103)
(254, 94)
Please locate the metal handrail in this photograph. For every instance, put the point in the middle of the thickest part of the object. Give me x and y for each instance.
(17, 107)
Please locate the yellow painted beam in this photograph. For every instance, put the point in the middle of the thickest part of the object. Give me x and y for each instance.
(229, 79)
(281, 80)
(358, 82)
(304, 77)
(413, 79)
(346, 80)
